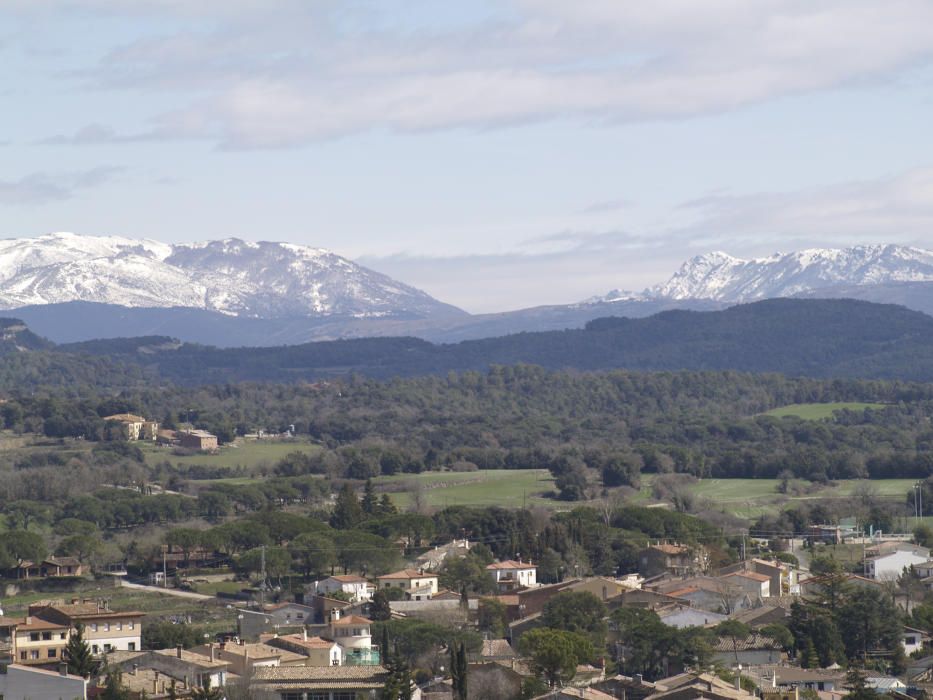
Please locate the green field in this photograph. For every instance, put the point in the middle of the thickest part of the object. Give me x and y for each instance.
(750, 498)
(248, 454)
(819, 411)
(492, 487)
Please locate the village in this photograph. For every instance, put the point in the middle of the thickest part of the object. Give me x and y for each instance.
(321, 643)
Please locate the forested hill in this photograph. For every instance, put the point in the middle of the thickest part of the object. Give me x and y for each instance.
(818, 338)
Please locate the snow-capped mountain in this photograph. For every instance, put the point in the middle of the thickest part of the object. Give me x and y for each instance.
(721, 277)
(231, 276)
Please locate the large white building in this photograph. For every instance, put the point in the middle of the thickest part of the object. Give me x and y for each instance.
(890, 566)
(510, 574)
(356, 587)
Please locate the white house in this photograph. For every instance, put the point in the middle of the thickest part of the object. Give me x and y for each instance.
(756, 585)
(416, 584)
(891, 566)
(511, 574)
(913, 639)
(356, 587)
(684, 616)
(26, 683)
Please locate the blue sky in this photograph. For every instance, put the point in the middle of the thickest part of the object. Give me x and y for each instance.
(496, 154)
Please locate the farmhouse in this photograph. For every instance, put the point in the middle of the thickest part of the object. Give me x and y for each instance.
(127, 426)
(197, 440)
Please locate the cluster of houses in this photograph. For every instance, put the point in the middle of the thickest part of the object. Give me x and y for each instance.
(320, 646)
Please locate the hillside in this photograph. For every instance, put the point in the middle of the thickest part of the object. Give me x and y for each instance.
(818, 338)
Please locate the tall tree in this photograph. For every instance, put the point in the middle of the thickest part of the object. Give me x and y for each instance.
(77, 654)
(347, 511)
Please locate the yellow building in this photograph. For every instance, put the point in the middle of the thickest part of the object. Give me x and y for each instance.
(127, 426)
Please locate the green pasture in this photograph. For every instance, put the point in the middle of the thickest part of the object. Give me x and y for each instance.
(249, 454)
(492, 487)
(819, 411)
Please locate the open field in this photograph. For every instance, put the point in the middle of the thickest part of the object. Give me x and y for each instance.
(750, 498)
(493, 487)
(248, 454)
(818, 411)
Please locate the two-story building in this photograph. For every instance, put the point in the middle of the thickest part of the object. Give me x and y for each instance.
(510, 575)
(105, 630)
(127, 426)
(416, 584)
(354, 635)
(319, 651)
(40, 642)
(673, 559)
(356, 588)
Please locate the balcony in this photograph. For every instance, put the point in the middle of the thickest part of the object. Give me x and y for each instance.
(362, 657)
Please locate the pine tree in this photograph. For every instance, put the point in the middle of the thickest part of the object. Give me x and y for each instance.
(369, 504)
(810, 658)
(78, 656)
(347, 511)
(379, 608)
(462, 672)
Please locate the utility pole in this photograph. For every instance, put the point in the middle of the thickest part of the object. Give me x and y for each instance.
(164, 569)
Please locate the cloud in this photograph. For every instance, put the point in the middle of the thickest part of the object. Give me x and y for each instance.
(309, 71)
(897, 209)
(43, 187)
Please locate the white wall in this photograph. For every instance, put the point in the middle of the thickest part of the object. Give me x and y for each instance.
(23, 683)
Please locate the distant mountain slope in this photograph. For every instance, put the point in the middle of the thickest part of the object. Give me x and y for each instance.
(261, 280)
(819, 338)
(721, 277)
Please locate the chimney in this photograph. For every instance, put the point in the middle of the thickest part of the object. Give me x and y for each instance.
(304, 634)
(637, 678)
(178, 651)
(28, 620)
(63, 669)
(184, 683)
(135, 668)
(738, 680)
(211, 646)
(155, 684)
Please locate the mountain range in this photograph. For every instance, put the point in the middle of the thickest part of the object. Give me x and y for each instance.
(798, 337)
(232, 293)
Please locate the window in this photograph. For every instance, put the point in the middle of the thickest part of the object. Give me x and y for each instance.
(292, 696)
(93, 627)
(22, 656)
(106, 627)
(34, 654)
(95, 649)
(119, 625)
(131, 646)
(108, 648)
(47, 636)
(52, 653)
(132, 625)
(300, 616)
(344, 696)
(910, 640)
(33, 636)
(63, 635)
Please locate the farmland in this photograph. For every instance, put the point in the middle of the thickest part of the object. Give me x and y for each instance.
(819, 411)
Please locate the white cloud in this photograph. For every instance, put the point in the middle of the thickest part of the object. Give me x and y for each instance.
(309, 71)
(43, 187)
(894, 209)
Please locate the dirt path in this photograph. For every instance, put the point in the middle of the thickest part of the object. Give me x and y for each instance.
(167, 591)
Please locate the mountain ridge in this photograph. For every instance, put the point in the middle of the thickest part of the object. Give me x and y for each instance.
(231, 276)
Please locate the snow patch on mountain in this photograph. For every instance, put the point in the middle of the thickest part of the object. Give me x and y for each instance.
(721, 277)
(256, 279)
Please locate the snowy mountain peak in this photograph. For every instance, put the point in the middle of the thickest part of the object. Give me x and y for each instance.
(721, 277)
(259, 279)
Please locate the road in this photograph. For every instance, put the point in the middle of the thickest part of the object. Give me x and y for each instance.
(167, 591)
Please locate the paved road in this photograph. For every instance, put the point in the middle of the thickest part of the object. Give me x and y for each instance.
(167, 591)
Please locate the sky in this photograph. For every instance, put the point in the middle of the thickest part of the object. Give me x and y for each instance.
(498, 155)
